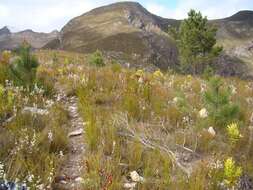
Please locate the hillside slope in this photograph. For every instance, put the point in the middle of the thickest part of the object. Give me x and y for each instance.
(127, 32)
(124, 30)
(236, 35)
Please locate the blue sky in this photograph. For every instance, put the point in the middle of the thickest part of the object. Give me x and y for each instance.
(47, 15)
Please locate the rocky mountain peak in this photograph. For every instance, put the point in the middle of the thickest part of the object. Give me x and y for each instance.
(5, 30)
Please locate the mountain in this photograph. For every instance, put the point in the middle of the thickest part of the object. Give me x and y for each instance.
(128, 32)
(5, 31)
(125, 31)
(236, 34)
(9, 40)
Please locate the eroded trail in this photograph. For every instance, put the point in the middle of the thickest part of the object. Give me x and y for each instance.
(70, 175)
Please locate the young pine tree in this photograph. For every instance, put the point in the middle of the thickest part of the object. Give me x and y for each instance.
(23, 69)
(197, 42)
(218, 100)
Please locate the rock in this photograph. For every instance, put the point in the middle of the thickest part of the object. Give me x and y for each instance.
(136, 177)
(79, 179)
(130, 186)
(4, 185)
(245, 183)
(76, 133)
(211, 131)
(35, 111)
(63, 182)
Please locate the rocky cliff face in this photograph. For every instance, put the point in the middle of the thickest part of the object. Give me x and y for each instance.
(11, 41)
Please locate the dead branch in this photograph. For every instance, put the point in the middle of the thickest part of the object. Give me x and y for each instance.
(127, 131)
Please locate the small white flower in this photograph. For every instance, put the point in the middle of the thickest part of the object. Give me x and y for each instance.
(136, 177)
(211, 131)
(50, 136)
(2, 172)
(175, 100)
(233, 89)
(203, 113)
(30, 178)
(140, 80)
(61, 154)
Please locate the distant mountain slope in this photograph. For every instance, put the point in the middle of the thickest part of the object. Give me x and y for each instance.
(124, 30)
(236, 35)
(129, 33)
(10, 40)
(4, 31)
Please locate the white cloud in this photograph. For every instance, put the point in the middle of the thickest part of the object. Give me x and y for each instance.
(46, 15)
(213, 9)
(4, 12)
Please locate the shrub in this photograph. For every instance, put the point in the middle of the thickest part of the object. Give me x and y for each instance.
(23, 69)
(45, 78)
(4, 66)
(221, 110)
(92, 130)
(6, 102)
(158, 75)
(231, 172)
(57, 129)
(97, 59)
(196, 43)
(233, 133)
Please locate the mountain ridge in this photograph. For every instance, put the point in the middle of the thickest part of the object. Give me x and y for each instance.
(12, 40)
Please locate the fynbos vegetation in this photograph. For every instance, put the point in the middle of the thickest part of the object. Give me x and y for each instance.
(94, 122)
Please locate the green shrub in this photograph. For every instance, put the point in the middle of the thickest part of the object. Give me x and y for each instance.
(97, 59)
(45, 79)
(23, 69)
(233, 133)
(231, 172)
(56, 126)
(217, 98)
(92, 130)
(4, 66)
(197, 43)
(6, 102)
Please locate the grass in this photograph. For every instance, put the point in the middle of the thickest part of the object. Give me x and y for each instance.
(31, 144)
(133, 120)
(151, 110)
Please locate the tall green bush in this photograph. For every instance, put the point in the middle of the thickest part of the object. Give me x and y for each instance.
(23, 69)
(97, 59)
(4, 66)
(218, 100)
(197, 43)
